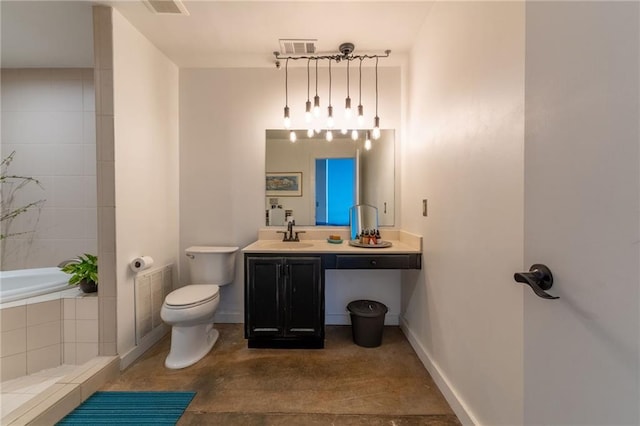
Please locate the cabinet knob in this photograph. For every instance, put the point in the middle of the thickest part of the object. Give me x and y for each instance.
(374, 263)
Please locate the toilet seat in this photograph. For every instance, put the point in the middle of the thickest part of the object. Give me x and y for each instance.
(191, 296)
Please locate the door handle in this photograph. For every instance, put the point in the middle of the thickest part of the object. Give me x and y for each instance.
(539, 278)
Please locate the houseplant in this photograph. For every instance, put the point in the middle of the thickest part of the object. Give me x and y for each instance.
(84, 271)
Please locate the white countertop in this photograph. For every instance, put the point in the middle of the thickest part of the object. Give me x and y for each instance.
(270, 242)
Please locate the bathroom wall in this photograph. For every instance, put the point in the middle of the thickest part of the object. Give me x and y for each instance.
(48, 118)
(464, 154)
(145, 150)
(223, 117)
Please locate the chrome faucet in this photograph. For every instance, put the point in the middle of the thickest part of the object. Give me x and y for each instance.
(289, 233)
(67, 262)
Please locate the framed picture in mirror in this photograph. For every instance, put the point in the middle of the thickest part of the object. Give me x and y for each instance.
(284, 184)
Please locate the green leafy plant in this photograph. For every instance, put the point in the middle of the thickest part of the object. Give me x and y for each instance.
(84, 268)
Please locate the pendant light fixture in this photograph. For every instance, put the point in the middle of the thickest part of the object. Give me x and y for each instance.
(376, 120)
(360, 107)
(307, 112)
(347, 101)
(330, 108)
(316, 99)
(315, 126)
(287, 119)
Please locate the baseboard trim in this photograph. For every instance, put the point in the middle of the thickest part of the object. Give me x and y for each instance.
(448, 390)
(147, 341)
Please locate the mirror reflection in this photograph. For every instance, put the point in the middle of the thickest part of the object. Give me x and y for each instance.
(315, 182)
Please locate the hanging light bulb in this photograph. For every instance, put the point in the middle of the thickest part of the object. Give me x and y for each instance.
(316, 98)
(329, 135)
(292, 136)
(376, 120)
(347, 101)
(367, 142)
(344, 131)
(376, 128)
(307, 112)
(287, 119)
(330, 108)
(360, 107)
(354, 134)
(309, 132)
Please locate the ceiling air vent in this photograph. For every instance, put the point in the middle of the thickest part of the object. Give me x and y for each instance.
(297, 46)
(166, 7)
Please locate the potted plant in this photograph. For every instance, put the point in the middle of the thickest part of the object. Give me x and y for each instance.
(84, 271)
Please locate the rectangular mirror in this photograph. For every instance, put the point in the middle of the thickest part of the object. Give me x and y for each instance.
(316, 182)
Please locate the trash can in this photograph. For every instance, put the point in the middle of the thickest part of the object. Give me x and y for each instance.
(367, 322)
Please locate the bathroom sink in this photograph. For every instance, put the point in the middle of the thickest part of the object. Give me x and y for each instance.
(285, 245)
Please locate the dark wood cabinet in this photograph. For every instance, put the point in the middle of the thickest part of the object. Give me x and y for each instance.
(284, 301)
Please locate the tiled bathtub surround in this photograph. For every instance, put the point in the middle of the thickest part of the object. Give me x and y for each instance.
(44, 335)
(48, 119)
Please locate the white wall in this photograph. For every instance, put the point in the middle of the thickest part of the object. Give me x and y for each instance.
(48, 119)
(223, 117)
(464, 153)
(145, 86)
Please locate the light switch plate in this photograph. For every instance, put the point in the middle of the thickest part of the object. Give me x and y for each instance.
(424, 207)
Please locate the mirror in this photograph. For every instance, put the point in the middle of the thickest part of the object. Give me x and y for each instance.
(315, 182)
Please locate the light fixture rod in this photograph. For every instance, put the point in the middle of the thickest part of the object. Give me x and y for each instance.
(335, 57)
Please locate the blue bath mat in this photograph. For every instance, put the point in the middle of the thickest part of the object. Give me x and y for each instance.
(132, 408)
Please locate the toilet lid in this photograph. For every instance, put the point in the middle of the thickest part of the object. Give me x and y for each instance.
(192, 294)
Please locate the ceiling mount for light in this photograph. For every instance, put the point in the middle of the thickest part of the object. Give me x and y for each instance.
(346, 49)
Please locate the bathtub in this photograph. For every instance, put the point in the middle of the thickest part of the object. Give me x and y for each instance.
(26, 283)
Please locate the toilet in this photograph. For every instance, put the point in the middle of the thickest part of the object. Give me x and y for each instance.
(189, 310)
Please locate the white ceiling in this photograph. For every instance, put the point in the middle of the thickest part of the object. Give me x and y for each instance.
(216, 33)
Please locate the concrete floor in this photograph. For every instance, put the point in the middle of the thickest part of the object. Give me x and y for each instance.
(343, 384)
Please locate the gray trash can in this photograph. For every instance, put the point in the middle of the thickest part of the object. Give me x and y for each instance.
(367, 322)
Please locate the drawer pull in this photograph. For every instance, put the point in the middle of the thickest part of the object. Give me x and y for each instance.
(374, 263)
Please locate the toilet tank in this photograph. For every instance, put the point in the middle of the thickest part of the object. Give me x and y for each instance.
(211, 265)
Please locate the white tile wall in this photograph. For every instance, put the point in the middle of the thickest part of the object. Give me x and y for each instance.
(45, 335)
(80, 329)
(48, 118)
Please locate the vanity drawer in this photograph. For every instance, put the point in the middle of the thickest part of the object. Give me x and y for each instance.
(388, 261)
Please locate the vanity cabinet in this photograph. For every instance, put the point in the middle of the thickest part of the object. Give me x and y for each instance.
(284, 301)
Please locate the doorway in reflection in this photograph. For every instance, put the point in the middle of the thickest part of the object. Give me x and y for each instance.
(335, 190)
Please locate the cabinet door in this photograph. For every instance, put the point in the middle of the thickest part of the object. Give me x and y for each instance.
(263, 308)
(303, 297)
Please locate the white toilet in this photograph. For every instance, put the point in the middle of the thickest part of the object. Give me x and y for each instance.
(189, 310)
